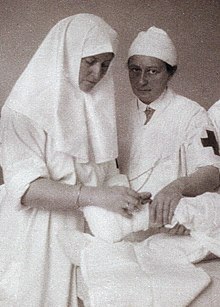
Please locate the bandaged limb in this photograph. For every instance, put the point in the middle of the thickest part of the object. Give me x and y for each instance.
(201, 215)
(122, 272)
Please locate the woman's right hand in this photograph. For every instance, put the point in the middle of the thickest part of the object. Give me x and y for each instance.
(118, 199)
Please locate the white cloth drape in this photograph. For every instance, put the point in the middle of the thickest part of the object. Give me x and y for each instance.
(82, 124)
(34, 271)
(157, 272)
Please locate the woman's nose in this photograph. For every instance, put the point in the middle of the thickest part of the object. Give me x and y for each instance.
(96, 72)
(143, 79)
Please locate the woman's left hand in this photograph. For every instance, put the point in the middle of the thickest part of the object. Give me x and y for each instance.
(163, 206)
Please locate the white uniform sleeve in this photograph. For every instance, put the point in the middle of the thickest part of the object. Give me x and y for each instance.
(214, 115)
(113, 176)
(23, 147)
(201, 147)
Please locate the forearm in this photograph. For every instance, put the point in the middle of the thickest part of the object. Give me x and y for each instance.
(53, 195)
(205, 179)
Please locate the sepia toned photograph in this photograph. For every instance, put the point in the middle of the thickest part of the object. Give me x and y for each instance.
(110, 153)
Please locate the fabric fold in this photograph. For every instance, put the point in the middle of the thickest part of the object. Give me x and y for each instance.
(156, 272)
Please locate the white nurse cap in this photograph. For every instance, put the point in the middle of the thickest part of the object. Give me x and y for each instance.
(156, 43)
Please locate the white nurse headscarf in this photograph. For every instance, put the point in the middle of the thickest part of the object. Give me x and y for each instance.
(82, 125)
(156, 43)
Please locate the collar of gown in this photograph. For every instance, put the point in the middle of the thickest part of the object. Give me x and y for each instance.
(157, 104)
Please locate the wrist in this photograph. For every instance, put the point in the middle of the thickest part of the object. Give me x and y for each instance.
(179, 185)
(187, 188)
(85, 196)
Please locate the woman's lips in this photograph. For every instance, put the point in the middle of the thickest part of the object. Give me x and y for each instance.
(143, 90)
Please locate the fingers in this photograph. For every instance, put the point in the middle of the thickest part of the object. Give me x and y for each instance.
(132, 193)
(186, 232)
(173, 205)
(131, 208)
(173, 231)
(145, 197)
(126, 214)
(166, 214)
(162, 216)
(162, 210)
(138, 236)
(158, 211)
(152, 214)
(128, 206)
(179, 230)
(126, 201)
(134, 200)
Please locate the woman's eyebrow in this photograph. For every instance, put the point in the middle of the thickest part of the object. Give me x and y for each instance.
(146, 67)
(153, 67)
(97, 58)
(133, 65)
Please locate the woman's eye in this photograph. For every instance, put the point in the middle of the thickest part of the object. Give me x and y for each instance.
(105, 65)
(134, 69)
(153, 71)
(90, 62)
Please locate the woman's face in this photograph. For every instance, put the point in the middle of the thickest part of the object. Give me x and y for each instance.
(92, 70)
(148, 77)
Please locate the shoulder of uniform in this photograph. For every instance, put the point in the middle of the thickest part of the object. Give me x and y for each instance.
(184, 103)
(215, 107)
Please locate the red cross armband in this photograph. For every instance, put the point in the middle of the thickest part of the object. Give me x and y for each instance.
(210, 141)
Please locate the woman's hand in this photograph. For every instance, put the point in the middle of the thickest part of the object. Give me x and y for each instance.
(145, 198)
(122, 200)
(179, 230)
(163, 205)
(141, 235)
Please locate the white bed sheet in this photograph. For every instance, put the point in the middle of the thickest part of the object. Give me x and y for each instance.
(209, 297)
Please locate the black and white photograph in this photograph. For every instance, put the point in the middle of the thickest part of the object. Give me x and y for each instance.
(110, 153)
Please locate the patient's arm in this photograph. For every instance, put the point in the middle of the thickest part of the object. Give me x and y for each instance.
(179, 230)
(140, 236)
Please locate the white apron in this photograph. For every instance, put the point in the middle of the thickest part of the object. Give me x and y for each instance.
(34, 271)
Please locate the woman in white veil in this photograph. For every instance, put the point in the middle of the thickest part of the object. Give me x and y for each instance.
(59, 146)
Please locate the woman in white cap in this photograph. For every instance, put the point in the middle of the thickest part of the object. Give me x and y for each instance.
(168, 159)
(58, 154)
(173, 150)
